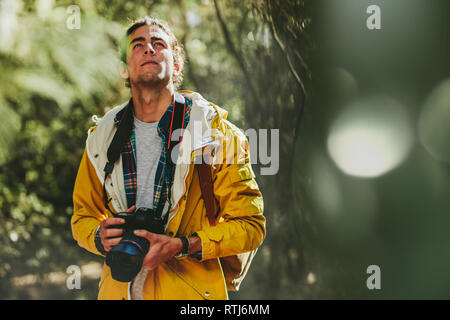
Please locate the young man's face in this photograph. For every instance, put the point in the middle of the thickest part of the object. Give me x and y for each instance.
(150, 60)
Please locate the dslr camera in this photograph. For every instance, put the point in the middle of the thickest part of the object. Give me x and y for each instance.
(125, 259)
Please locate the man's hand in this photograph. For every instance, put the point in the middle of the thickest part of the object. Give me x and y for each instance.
(111, 237)
(162, 248)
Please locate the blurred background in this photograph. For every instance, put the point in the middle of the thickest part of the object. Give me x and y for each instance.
(363, 114)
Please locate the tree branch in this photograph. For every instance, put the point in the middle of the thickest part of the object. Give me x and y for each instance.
(235, 53)
(283, 49)
(190, 69)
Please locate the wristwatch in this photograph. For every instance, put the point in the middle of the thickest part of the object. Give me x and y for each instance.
(185, 249)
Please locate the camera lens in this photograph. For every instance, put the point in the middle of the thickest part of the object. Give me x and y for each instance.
(125, 259)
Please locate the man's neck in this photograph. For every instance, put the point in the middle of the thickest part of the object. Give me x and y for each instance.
(151, 104)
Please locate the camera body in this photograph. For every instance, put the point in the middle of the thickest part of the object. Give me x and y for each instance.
(125, 259)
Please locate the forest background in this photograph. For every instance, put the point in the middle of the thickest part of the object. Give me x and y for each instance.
(357, 96)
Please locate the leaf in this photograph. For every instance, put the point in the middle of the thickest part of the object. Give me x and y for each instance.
(8, 129)
(45, 85)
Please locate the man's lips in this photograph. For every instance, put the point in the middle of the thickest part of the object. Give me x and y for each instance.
(149, 62)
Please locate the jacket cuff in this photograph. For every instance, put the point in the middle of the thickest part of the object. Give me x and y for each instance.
(98, 242)
(210, 243)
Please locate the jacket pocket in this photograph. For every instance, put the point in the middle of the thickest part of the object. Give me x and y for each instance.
(205, 278)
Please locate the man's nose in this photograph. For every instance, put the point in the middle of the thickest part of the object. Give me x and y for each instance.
(150, 49)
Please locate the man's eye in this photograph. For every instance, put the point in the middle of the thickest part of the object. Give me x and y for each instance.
(136, 45)
(159, 44)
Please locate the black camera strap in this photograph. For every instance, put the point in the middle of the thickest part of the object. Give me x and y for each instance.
(176, 123)
(123, 133)
(121, 136)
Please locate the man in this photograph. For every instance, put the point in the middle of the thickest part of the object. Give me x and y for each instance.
(189, 260)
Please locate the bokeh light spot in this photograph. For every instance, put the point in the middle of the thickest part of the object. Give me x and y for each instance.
(370, 137)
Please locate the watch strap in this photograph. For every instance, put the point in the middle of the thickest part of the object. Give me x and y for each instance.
(185, 248)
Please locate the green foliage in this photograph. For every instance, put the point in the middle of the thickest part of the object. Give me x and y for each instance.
(53, 79)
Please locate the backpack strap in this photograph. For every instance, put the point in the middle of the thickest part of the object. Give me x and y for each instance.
(206, 186)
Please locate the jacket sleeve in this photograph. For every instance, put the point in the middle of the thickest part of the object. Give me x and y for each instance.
(88, 207)
(240, 225)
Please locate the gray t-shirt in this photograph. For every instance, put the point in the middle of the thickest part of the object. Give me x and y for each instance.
(148, 150)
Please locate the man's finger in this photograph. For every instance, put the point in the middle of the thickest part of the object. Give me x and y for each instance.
(109, 243)
(131, 209)
(148, 264)
(112, 233)
(144, 234)
(112, 221)
(149, 261)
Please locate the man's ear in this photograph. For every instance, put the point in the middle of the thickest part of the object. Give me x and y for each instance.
(177, 67)
(123, 70)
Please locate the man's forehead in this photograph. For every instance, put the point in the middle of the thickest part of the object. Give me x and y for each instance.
(149, 31)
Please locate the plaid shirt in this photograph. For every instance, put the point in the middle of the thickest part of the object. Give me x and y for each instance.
(164, 171)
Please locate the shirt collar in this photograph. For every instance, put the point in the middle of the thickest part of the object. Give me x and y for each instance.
(163, 123)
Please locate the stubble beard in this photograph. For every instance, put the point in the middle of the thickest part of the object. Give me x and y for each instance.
(150, 79)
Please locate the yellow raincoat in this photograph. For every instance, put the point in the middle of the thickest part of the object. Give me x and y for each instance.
(240, 225)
